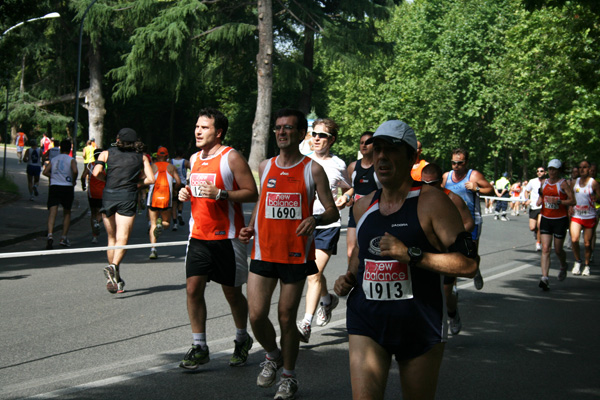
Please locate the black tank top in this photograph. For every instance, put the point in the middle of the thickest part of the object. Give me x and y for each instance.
(123, 170)
(363, 179)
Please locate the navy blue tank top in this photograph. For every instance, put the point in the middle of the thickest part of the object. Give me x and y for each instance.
(394, 303)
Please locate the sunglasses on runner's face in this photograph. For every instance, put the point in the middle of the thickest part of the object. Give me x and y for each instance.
(430, 182)
(286, 128)
(321, 135)
(540, 170)
(457, 162)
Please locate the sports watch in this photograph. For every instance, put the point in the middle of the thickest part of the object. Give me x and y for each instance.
(222, 195)
(415, 254)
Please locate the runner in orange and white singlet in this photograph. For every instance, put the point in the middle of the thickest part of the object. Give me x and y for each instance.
(583, 216)
(555, 197)
(220, 181)
(283, 226)
(20, 143)
(160, 196)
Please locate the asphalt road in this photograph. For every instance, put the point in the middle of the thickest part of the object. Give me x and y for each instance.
(64, 336)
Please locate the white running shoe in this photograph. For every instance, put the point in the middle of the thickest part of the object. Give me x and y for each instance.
(304, 331)
(586, 271)
(268, 374)
(577, 268)
(538, 247)
(288, 386)
(324, 311)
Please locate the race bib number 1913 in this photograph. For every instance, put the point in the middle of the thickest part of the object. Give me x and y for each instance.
(387, 280)
(283, 206)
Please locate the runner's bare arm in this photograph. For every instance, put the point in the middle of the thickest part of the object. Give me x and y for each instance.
(148, 174)
(247, 232)
(442, 225)
(478, 181)
(331, 214)
(463, 210)
(570, 195)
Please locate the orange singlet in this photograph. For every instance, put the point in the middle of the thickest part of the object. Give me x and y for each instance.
(214, 219)
(159, 195)
(95, 185)
(552, 210)
(286, 198)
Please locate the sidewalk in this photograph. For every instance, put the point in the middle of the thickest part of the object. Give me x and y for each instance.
(23, 219)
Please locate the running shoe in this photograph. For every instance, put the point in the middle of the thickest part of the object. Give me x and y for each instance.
(240, 353)
(538, 246)
(121, 286)
(49, 244)
(153, 254)
(195, 357)
(30, 198)
(96, 228)
(503, 218)
(544, 284)
(180, 220)
(267, 376)
(496, 217)
(586, 271)
(35, 191)
(158, 229)
(304, 331)
(562, 274)
(324, 311)
(455, 324)
(65, 242)
(94, 239)
(576, 268)
(175, 226)
(288, 386)
(478, 280)
(111, 283)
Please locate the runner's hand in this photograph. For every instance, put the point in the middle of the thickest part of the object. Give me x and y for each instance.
(246, 234)
(344, 284)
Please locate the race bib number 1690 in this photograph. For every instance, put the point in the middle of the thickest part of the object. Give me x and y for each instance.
(283, 206)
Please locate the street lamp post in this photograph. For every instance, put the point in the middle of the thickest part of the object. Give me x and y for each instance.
(47, 16)
(78, 79)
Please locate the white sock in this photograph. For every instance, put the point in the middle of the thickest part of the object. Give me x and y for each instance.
(241, 335)
(308, 318)
(288, 372)
(199, 339)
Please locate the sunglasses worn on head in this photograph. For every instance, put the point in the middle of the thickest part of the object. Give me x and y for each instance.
(430, 182)
(321, 135)
(457, 162)
(286, 128)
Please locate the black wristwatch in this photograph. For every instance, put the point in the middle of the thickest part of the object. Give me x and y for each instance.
(222, 195)
(415, 254)
(318, 218)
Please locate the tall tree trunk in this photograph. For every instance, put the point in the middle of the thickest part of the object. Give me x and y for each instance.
(22, 84)
(94, 98)
(264, 73)
(309, 60)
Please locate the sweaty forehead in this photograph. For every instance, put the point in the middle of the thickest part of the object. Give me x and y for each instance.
(458, 157)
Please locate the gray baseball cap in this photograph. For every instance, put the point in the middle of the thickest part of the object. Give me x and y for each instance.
(395, 132)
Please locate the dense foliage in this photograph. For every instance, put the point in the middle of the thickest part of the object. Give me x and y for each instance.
(516, 82)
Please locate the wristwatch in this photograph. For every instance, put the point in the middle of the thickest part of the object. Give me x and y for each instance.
(415, 254)
(222, 195)
(318, 218)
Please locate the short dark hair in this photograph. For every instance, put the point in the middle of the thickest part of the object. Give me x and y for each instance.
(65, 146)
(220, 120)
(460, 150)
(432, 169)
(330, 124)
(367, 133)
(301, 122)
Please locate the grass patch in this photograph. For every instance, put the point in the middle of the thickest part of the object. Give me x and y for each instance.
(8, 186)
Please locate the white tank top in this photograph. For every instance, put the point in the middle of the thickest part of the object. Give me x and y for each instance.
(584, 209)
(61, 173)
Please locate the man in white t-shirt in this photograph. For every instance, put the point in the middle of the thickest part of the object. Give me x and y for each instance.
(324, 135)
(532, 193)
